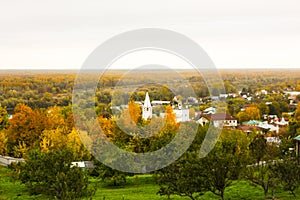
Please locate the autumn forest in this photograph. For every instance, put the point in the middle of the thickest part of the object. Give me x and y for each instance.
(37, 125)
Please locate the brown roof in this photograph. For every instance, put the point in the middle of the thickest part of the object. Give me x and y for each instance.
(218, 116)
(248, 128)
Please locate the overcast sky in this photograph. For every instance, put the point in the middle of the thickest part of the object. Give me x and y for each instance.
(60, 34)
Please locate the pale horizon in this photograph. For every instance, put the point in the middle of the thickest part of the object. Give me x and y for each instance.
(235, 34)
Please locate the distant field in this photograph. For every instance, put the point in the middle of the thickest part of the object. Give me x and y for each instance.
(137, 189)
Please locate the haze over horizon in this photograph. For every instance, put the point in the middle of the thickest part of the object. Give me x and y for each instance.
(235, 34)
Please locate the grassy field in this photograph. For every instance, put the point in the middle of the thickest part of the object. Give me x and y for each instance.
(138, 188)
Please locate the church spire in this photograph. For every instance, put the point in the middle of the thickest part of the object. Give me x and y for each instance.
(147, 108)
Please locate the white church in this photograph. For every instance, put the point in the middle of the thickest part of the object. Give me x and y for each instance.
(182, 115)
(147, 108)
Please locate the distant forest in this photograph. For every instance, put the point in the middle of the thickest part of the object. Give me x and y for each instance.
(43, 89)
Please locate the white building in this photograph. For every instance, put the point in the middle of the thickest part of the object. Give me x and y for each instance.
(155, 102)
(292, 93)
(147, 108)
(182, 115)
(282, 122)
(269, 127)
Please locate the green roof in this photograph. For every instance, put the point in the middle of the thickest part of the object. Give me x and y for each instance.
(251, 122)
(297, 138)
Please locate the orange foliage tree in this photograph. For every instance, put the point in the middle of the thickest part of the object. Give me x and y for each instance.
(26, 127)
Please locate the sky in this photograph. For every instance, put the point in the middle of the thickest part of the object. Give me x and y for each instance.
(60, 34)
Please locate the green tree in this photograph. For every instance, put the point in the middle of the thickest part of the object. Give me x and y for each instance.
(221, 169)
(184, 178)
(226, 161)
(258, 147)
(51, 174)
(288, 172)
(263, 175)
(113, 176)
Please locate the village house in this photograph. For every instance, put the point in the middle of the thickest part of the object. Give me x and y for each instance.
(210, 110)
(249, 128)
(85, 165)
(182, 115)
(218, 120)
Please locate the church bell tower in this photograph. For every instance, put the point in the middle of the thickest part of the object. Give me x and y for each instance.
(147, 108)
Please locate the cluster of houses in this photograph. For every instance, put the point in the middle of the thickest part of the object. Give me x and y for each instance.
(270, 125)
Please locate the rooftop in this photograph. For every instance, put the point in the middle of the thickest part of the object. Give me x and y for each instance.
(297, 138)
(218, 116)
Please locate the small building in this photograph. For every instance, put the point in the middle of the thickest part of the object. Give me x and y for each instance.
(182, 115)
(223, 96)
(86, 165)
(291, 93)
(215, 98)
(218, 120)
(282, 123)
(156, 102)
(232, 95)
(266, 127)
(274, 140)
(264, 92)
(249, 128)
(192, 100)
(202, 121)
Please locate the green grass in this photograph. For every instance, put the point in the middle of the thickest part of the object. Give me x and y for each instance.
(139, 188)
(10, 189)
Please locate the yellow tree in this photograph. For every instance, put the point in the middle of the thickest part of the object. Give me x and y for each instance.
(250, 113)
(52, 139)
(3, 118)
(107, 126)
(167, 132)
(297, 113)
(75, 144)
(3, 143)
(134, 111)
(3, 135)
(54, 114)
(171, 117)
